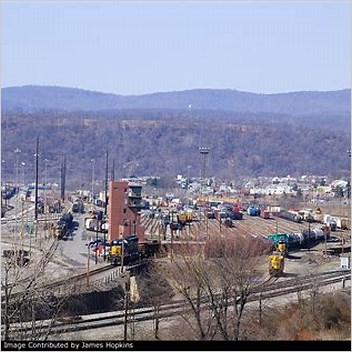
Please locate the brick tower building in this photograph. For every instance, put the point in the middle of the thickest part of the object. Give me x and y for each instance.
(124, 210)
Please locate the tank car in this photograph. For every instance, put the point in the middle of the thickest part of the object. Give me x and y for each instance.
(290, 215)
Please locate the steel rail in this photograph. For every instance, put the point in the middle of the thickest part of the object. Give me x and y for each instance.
(168, 310)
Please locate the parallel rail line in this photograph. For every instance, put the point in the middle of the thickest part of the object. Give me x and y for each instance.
(267, 290)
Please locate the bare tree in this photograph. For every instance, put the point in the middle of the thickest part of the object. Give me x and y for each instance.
(217, 288)
(30, 307)
(237, 273)
(156, 291)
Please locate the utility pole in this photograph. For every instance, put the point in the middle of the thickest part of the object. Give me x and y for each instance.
(172, 234)
(17, 188)
(106, 182)
(113, 170)
(63, 178)
(36, 180)
(17, 151)
(260, 308)
(325, 244)
(122, 253)
(127, 292)
(342, 239)
(36, 188)
(309, 237)
(96, 240)
(92, 190)
(88, 259)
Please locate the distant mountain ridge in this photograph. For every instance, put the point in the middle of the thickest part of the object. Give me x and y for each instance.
(35, 98)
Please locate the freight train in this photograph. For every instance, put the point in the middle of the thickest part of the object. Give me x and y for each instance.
(63, 226)
(130, 250)
(298, 240)
(126, 250)
(316, 216)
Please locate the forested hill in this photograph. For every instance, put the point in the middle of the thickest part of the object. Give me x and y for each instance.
(160, 134)
(168, 143)
(35, 98)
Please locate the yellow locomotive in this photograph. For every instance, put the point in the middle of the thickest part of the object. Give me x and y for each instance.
(282, 247)
(277, 264)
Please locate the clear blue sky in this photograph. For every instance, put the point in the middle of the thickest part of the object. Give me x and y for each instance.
(130, 47)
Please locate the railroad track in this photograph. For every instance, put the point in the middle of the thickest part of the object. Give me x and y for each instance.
(79, 281)
(270, 288)
(250, 225)
(68, 282)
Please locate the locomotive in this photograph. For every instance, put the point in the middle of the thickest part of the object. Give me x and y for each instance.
(253, 210)
(63, 226)
(277, 264)
(124, 250)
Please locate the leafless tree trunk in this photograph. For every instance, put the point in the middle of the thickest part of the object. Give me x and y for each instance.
(25, 295)
(217, 288)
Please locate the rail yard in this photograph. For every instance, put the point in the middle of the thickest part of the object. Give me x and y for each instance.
(78, 259)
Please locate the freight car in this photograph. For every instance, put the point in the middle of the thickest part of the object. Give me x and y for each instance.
(298, 240)
(253, 210)
(291, 215)
(227, 215)
(182, 218)
(318, 216)
(9, 192)
(78, 207)
(210, 213)
(307, 215)
(330, 221)
(148, 249)
(291, 240)
(265, 214)
(312, 237)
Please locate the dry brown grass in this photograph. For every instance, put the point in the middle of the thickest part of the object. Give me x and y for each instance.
(328, 317)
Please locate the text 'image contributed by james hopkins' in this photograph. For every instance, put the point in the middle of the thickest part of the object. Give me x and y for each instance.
(65, 346)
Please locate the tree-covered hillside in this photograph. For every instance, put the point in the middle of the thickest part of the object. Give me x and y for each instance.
(168, 142)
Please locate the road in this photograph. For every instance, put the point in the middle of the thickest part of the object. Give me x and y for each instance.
(73, 247)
